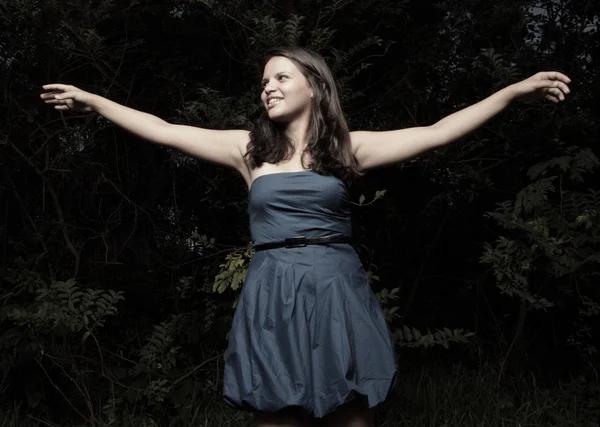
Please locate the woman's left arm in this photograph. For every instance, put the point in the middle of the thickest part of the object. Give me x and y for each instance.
(373, 149)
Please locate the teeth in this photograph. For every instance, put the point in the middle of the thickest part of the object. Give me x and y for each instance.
(274, 100)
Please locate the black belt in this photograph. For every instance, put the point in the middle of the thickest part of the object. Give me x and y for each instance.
(301, 241)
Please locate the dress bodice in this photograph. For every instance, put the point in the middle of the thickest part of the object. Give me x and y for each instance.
(304, 203)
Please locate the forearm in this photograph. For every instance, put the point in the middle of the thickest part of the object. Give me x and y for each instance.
(143, 125)
(461, 123)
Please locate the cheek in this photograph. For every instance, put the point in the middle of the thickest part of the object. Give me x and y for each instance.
(301, 96)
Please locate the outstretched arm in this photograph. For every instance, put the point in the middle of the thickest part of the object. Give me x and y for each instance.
(225, 147)
(373, 149)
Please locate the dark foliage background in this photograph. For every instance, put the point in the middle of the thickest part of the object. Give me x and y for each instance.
(121, 260)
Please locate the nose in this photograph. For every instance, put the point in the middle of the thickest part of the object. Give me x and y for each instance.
(269, 89)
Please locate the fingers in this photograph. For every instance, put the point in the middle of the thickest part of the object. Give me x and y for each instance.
(58, 91)
(553, 79)
(66, 102)
(64, 105)
(49, 95)
(54, 91)
(548, 83)
(56, 97)
(563, 87)
(553, 90)
(557, 93)
(65, 95)
(57, 86)
(554, 75)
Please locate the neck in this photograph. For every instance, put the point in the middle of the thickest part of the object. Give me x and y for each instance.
(297, 131)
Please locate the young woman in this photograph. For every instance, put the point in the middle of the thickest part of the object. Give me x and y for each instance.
(309, 341)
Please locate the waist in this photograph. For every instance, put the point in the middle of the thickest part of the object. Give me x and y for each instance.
(301, 241)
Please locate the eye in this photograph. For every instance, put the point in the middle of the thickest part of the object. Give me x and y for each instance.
(283, 77)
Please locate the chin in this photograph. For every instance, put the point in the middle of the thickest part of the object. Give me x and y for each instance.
(277, 117)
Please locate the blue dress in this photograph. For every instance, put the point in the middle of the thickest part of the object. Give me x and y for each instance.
(308, 331)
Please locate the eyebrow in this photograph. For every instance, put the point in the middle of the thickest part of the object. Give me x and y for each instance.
(263, 81)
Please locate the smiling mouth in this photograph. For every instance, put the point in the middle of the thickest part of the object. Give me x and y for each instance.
(273, 102)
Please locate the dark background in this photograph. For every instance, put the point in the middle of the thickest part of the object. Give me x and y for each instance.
(121, 260)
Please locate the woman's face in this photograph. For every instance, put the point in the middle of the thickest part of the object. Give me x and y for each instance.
(286, 92)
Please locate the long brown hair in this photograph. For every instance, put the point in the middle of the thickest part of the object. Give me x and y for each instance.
(329, 138)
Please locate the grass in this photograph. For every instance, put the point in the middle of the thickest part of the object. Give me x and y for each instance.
(459, 397)
(426, 397)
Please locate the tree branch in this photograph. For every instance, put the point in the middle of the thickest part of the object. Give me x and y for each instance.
(58, 209)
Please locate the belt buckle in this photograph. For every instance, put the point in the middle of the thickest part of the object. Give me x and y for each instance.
(295, 242)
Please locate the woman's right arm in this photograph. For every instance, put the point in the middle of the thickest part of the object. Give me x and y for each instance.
(226, 147)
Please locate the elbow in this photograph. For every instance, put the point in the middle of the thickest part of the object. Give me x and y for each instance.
(438, 135)
(165, 134)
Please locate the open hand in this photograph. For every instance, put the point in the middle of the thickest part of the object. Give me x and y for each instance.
(550, 85)
(67, 97)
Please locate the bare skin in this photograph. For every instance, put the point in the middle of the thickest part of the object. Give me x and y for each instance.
(291, 418)
(282, 79)
(349, 415)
